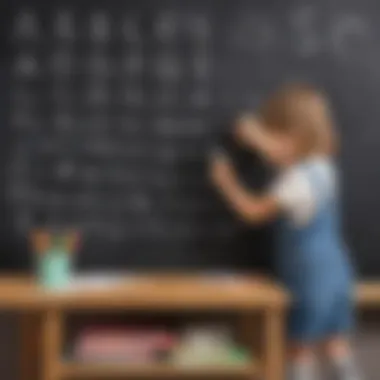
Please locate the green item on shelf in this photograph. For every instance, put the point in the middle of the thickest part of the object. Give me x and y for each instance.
(54, 269)
(239, 355)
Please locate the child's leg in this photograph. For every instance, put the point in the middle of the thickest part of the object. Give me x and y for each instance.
(306, 321)
(337, 347)
(301, 362)
(339, 353)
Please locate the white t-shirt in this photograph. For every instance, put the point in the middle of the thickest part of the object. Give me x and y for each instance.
(297, 194)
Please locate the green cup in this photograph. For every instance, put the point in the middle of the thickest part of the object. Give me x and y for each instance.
(54, 269)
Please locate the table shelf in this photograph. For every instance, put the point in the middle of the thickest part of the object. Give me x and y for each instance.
(118, 370)
(259, 303)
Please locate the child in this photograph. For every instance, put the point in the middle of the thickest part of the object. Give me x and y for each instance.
(295, 134)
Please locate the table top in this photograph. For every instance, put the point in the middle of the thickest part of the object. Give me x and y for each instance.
(169, 291)
(368, 293)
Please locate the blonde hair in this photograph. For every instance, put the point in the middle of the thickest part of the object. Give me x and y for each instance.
(304, 112)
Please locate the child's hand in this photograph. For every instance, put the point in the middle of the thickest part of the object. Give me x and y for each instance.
(221, 170)
(246, 130)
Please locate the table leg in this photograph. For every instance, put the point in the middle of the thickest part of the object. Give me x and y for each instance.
(274, 345)
(30, 330)
(250, 335)
(52, 326)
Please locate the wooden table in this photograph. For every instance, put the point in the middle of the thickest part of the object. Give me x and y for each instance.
(368, 295)
(43, 314)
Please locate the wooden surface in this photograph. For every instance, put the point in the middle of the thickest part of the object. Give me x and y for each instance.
(274, 346)
(171, 290)
(52, 344)
(368, 294)
(244, 295)
(148, 292)
(252, 297)
(104, 371)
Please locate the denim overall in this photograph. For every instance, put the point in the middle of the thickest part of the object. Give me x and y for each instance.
(313, 263)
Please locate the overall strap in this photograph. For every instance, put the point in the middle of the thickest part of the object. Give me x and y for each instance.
(319, 187)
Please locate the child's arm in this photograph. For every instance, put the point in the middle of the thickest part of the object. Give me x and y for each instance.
(252, 133)
(248, 206)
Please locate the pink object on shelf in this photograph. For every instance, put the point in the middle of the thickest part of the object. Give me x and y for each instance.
(127, 343)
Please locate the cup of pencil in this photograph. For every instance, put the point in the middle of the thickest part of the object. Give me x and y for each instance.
(54, 252)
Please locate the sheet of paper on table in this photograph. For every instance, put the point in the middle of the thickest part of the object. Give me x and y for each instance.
(99, 281)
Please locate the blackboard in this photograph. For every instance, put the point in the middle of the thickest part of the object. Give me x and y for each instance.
(109, 109)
